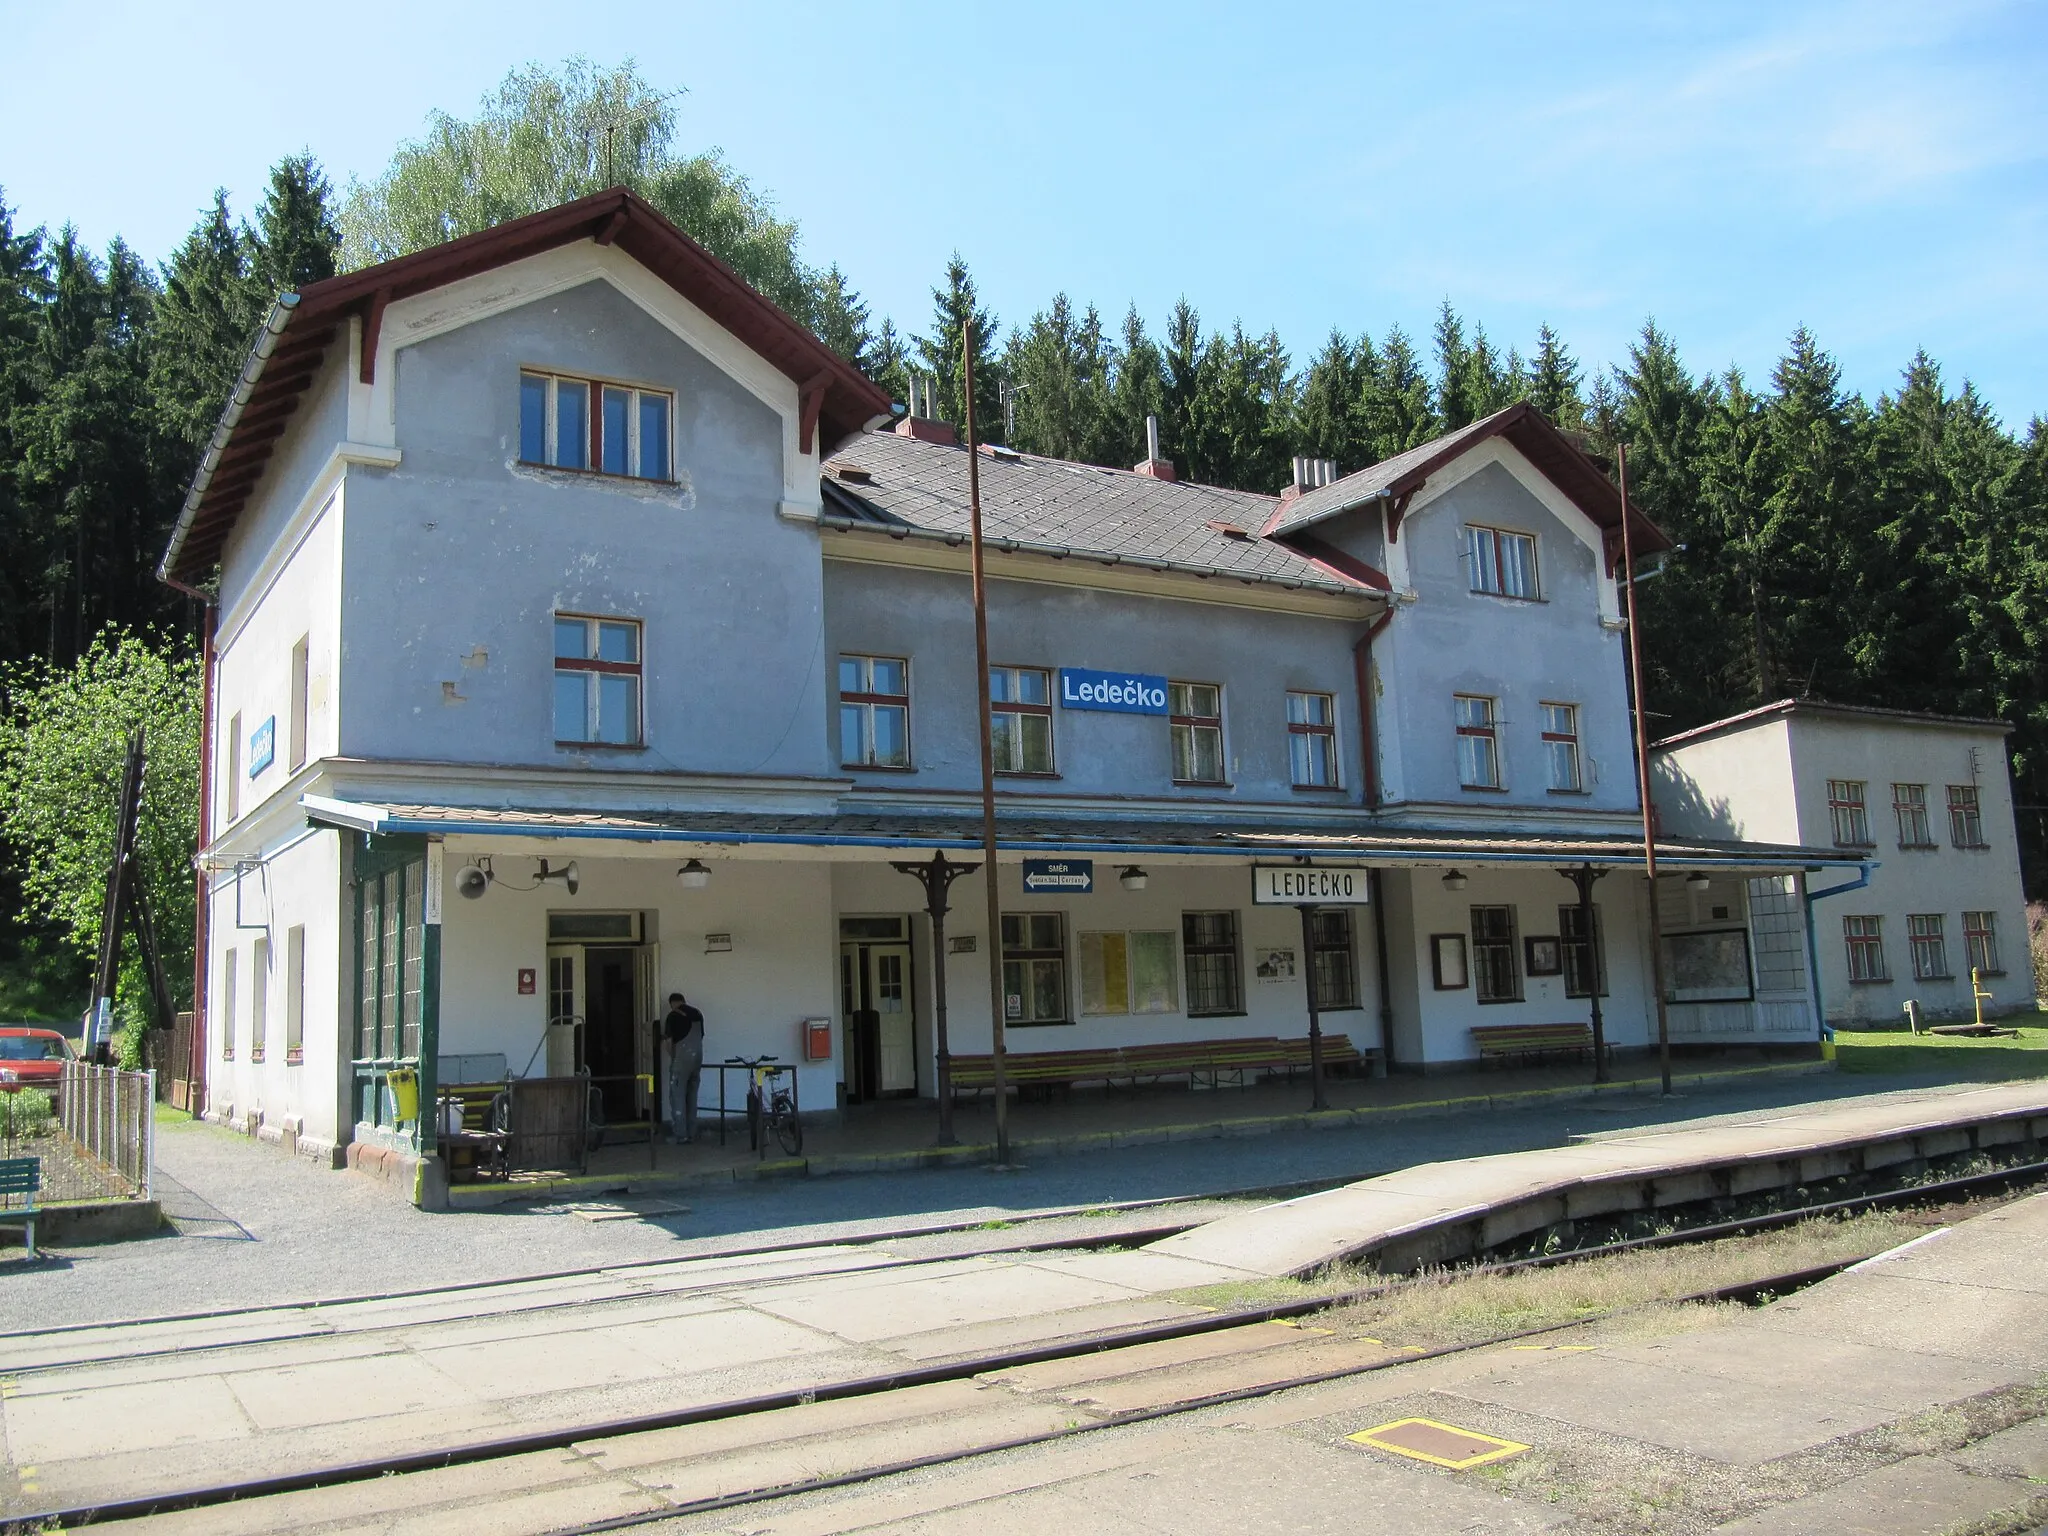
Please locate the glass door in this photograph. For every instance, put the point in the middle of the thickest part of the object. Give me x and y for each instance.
(889, 988)
(565, 1009)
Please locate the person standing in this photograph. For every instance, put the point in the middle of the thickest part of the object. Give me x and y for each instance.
(683, 1026)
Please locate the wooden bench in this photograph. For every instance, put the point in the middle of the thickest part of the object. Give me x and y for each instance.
(21, 1176)
(1195, 1060)
(1530, 1039)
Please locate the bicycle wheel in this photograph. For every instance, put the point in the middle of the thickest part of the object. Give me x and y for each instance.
(788, 1129)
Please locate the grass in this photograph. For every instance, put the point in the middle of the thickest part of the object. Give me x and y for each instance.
(1894, 1052)
(1448, 1307)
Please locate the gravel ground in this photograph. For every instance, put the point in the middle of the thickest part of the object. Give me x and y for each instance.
(254, 1227)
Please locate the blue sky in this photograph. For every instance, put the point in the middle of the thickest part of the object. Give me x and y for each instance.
(1878, 172)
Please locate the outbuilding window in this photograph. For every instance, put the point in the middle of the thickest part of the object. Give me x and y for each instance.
(1930, 946)
(586, 424)
(1478, 749)
(1312, 740)
(1965, 817)
(1196, 716)
(1020, 719)
(874, 712)
(1496, 968)
(1980, 938)
(1500, 562)
(1847, 810)
(1909, 805)
(1208, 943)
(1864, 937)
(597, 681)
(1034, 968)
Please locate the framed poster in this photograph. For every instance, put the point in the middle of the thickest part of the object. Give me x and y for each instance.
(1707, 967)
(1447, 961)
(1543, 956)
(1273, 964)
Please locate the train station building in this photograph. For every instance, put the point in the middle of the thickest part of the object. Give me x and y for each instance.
(586, 632)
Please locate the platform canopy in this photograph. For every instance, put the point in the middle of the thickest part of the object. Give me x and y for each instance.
(881, 834)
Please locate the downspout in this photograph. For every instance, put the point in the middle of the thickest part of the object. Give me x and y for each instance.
(1827, 1033)
(196, 1046)
(1369, 779)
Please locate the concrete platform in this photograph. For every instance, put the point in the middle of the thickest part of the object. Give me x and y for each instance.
(1441, 1211)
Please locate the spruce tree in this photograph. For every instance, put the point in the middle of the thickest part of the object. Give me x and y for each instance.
(1137, 390)
(205, 323)
(296, 240)
(1553, 382)
(954, 303)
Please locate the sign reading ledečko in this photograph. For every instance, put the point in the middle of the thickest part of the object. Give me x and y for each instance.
(1298, 885)
(1127, 693)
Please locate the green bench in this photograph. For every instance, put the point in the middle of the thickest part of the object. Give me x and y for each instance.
(1196, 1060)
(1501, 1040)
(21, 1176)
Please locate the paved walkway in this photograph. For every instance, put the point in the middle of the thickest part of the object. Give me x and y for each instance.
(893, 1135)
(254, 1227)
(1442, 1209)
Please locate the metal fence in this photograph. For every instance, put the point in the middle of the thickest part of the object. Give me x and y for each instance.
(101, 1145)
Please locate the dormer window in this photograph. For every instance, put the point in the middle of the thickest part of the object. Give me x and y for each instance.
(1500, 562)
(586, 424)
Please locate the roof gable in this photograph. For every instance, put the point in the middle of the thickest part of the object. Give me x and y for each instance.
(835, 399)
(1395, 481)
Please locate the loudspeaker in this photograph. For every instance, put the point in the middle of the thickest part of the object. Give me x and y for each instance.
(471, 882)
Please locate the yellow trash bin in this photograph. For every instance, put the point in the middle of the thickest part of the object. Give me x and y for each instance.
(405, 1093)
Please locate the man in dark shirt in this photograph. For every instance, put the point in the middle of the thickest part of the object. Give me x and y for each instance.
(683, 1027)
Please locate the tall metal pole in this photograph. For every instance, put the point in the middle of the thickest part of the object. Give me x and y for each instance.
(1635, 668)
(1000, 1069)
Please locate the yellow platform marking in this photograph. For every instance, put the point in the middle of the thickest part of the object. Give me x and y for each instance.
(1441, 1445)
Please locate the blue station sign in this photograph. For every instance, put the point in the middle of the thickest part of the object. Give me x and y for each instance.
(263, 746)
(1074, 877)
(1125, 693)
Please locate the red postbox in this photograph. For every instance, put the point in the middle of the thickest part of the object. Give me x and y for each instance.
(817, 1039)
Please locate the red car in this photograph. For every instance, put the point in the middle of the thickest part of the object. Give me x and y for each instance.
(32, 1058)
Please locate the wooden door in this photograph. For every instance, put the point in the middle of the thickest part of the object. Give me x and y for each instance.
(892, 998)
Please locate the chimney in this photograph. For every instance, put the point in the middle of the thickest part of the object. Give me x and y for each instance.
(1309, 475)
(1155, 466)
(920, 423)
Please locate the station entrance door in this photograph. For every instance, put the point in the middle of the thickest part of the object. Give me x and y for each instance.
(877, 1008)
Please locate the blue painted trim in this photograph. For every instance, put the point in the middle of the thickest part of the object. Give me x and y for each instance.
(1813, 943)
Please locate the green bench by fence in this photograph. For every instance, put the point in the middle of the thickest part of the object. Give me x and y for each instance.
(1500, 1040)
(23, 1177)
(1197, 1061)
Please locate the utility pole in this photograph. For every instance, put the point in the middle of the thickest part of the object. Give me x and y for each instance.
(999, 1068)
(1635, 667)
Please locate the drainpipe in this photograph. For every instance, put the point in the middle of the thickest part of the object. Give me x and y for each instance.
(196, 1051)
(1862, 879)
(1369, 780)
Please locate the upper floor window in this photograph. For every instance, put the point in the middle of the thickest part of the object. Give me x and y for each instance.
(874, 712)
(1980, 938)
(1500, 562)
(1020, 718)
(1196, 714)
(1478, 751)
(1965, 816)
(1561, 747)
(597, 681)
(1930, 946)
(1312, 740)
(1850, 816)
(588, 424)
(1909, 804)
(1864, 937)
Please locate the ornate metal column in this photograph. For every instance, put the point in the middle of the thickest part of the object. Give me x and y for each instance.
(937, 878)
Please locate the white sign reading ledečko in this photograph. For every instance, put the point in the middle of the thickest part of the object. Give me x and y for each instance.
(1298, 885)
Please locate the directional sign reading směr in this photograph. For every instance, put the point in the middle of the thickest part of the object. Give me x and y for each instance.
(1075, 877)
(1298, 885)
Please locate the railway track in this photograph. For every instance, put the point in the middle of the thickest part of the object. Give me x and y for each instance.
(1050, 1391)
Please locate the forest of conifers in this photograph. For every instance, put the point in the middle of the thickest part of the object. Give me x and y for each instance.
(1890, 551)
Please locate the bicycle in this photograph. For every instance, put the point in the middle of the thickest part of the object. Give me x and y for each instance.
(771, 1106)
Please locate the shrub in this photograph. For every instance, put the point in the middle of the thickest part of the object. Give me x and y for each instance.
(25, 1112)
